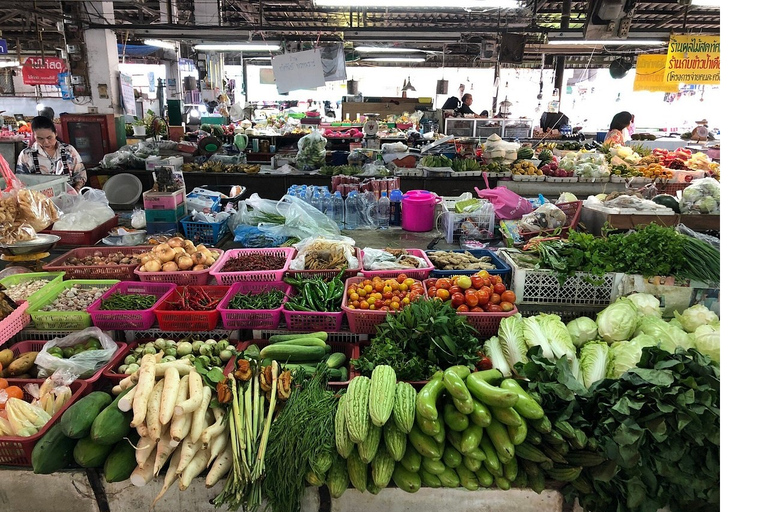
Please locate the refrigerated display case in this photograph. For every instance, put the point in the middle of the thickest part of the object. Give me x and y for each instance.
(93, 135)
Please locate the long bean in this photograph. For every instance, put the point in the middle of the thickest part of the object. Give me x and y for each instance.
(128, 302)
(270, 299)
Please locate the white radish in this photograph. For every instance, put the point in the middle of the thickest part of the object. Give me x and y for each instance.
(125, 403)
(177, 422)
(142, 430)
(142, 475)
(198, 416)
(220, 469)
(193, 469)
(162, 453)
(128, 381)
(217, 428)
(170, 392)
(184, 367)
(194, 398)
(143, 389)
(218, 445)
(144, 449)
(170, 476)
(188, 451)
(116, 390)
(154, 427)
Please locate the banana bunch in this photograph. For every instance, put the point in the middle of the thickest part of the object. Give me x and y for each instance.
(548, 145)
(465, 165)
(283, 383)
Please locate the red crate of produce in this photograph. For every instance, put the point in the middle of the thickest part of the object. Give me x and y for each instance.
(274, 275)
(331, 273)
(122, 272)
(363, 321)
(252, 318)
(84, 238)
(179, 277)
(129, 319)
(487, 323)
(17, 451)
(170, 319)
(572, 211)
(415, 273)
(13, 323)
(23, 347)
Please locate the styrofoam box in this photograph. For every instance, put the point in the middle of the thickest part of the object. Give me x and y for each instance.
(155, 161)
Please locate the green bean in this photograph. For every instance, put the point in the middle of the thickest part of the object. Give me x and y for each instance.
(128, 302)
(270, 299)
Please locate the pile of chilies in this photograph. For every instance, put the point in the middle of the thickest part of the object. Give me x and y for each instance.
(194, 299)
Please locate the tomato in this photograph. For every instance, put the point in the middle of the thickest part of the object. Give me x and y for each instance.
(471, 299)
(495, 278)
(378, 304)
(495, 298)
(462, 309)
(507, 306)
(442, 294)
(432, 291)
(483, 274)
(483, 297)
(494, 308)
(455, 289)
(499, 288)
(457, 299)
(477, 282)
(401, 278)
(508, 296)
(484, 363)
(409, 282)
(476, 309)
(387, 295)
(429, 283)
(486, 289)
(463, 282)
(487, 282)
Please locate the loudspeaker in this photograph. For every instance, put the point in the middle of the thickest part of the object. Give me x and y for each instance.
(512, 48)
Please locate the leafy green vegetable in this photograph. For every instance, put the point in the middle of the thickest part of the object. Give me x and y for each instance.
(706, 338)
(512, 339)
(550, 333)
(593, 362)
(492, 349)
(582, 330)
(696, 315)
(668, 335)
(618, 321)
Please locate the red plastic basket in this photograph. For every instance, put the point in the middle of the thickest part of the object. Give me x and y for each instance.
(331, 273)
(23, 347)
(572, 211)
(264, 276)
(362, 321)
(13, 323)
(351, 350)
(136, 320)
(17, 451)
(121, 272)
(174, 320)
(416, 273)
(252, 318)
(84, 238)
(313, 320)
(487, 323)
(181, 277)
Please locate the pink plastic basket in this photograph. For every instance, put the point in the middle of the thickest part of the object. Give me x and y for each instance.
(13, 323)
(331, 273)
(313, 320)
(416, 273)
(264, 276)
(181, 277)
(24, 347)
(252, 318)
(487, 323)
(134, 320)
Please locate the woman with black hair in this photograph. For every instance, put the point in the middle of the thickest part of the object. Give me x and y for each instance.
(48, 155)
(619, 123)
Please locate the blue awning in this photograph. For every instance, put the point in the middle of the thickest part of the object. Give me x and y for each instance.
(137, 50)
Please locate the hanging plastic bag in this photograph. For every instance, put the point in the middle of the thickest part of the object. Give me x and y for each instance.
(506, 203)
(83, 364)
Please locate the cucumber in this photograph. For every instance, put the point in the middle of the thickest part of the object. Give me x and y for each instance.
(121, 461)
(301, 342)
(53, 452)
(286, 337)
(111, 424)
(335, 374)
(293, 353)
(336, 360)
(77, 419)
(88, 454)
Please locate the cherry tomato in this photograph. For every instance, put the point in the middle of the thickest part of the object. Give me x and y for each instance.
(401, 278)
(462, 309)
(484, 364)
(483, 273)
(487, 282)
(483, 297)
(455, 289)
(508, 296)
(429, 283)
(457, 299)
(495, 298)
(477, 282)
(499, 288)
(432, 291)
(442, 294)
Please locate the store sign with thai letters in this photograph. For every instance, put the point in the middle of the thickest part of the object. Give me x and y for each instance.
(693, 59)
(43, 71)
(649, 74)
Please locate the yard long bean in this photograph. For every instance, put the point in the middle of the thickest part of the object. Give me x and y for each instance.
(128, 302)
(270, 299)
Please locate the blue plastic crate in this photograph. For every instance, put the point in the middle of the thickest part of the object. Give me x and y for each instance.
(207, 233)
(502, 269)
(154, 228)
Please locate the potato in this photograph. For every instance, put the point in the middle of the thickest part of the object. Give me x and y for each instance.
(6, 357)
(22, 364)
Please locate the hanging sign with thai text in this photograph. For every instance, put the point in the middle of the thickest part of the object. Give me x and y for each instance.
(43, 71)
(693, 59)
(649, 74)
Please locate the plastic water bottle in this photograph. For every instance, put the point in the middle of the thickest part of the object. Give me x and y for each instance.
(352, 211)
(336, 209)
(395, 204)
(382, 211)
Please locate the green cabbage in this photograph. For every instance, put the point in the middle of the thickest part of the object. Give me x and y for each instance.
(550, 333)
(706, 338)
(492, 349)
(512, 339)
(663, 332)
(618, 321)
(593, 362)
(696, 315)
(625, 355)
(646, 303)
(582, 330)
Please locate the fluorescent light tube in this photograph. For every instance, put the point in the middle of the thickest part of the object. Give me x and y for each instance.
(238, 47)
(610, 42)
(420, 4)
(395, 59)
(9, 64)
(384, 49)
(168, 45)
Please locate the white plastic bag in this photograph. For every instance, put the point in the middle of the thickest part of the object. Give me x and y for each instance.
(302, 220)
(84, 211)
(84, 364)
(324, 244)
(378, 259)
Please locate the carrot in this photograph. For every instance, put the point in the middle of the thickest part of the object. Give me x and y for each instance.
(163, 452)
(154, 426)
(218, 446)
(170, 476)
(195, 396)
(170, 392)
(217, 428)
(125, 403)
(193, 469)
(198, 416)
(220, 468)
(143, 389)
(144, 448)
(142, 474)
(188, 450)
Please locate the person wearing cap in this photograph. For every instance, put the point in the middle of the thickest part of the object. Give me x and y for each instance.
(48, 155)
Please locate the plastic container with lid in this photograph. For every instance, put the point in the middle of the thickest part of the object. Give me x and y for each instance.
(418, 210)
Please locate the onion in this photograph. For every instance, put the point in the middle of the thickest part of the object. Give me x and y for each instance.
(189, 246)
(176, 241)
(178, 250)
(153, 266)
(164, 252)
(198, 258)
(170, 266)
(197, 268)
(185, 262)
(209, 261)
(201, 248)
(144, 258)
(142, 269)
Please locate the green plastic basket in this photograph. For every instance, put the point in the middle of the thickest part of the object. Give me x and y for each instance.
(51, 277)
(64, 320)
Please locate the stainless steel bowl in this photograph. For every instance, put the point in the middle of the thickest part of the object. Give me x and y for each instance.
(42, 243)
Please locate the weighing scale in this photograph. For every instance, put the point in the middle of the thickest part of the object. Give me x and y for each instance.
(371, 130)
(29, 253)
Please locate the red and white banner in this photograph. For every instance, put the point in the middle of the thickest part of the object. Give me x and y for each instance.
(37, 71)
